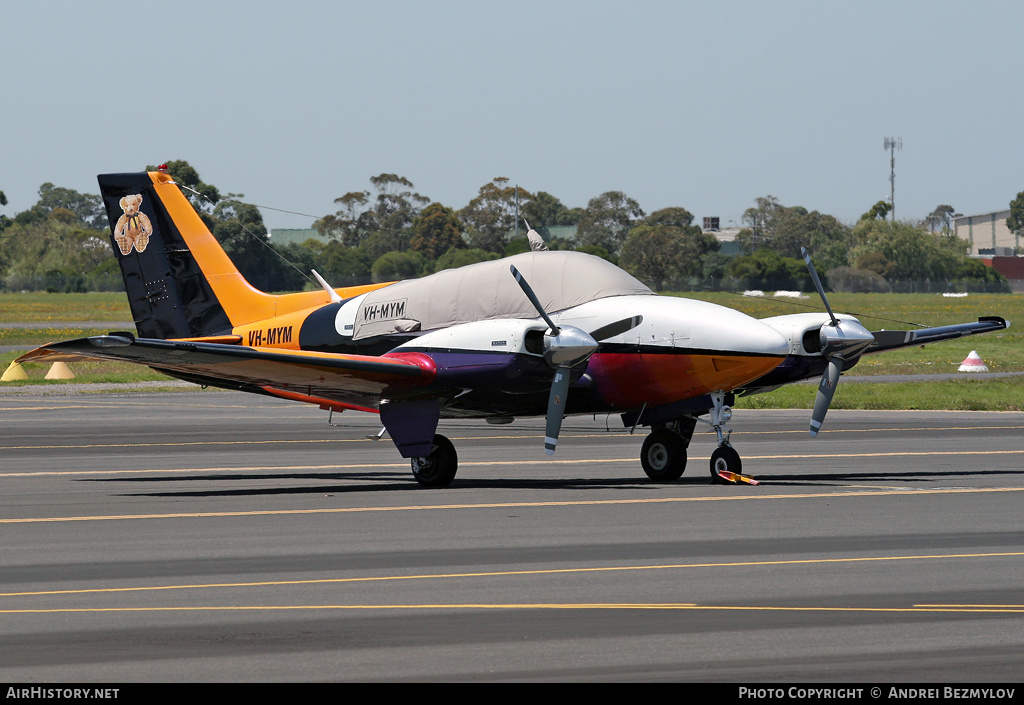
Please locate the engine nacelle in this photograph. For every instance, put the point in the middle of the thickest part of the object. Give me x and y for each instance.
(488, 363)
(813, 333)
(506, 336)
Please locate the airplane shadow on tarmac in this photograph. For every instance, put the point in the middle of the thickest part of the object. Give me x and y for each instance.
(401, 481)
(891, 476)
(381, 482)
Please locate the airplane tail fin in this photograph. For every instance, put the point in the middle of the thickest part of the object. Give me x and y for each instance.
(180, 282)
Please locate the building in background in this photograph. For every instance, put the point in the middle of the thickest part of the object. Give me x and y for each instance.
(988, 234)
(995, 244)
(287, 236)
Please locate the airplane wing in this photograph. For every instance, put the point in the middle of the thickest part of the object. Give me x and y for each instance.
(894, 339)
(340, 381)
(799, 367)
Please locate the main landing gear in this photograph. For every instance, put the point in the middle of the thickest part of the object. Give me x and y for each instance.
(437, 469)
(663, 455)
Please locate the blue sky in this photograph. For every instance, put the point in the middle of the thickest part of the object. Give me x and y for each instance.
(702, 105)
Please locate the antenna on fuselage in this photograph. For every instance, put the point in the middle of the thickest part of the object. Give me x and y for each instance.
(335, 298)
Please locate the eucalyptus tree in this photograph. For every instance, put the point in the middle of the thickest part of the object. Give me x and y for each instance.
(607, 220)
(436, 231)
(1015, 222)
(490, 217)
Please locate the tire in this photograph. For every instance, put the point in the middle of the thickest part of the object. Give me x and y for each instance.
(663, 455)
(725, 458)
(437, 469)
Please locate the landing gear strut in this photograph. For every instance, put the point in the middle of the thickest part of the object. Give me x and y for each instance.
(725, 458)
(663, 455)
(437, 469)
(726, 465)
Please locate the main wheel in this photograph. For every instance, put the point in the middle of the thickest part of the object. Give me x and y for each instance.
(663, 455)
(725, 459)
(437, 469)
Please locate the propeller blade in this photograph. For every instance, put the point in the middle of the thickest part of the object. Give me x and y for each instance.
(617, 328)
(817, 285)
(556, 409)
(528, 290)
(826, 390)
(848, 340)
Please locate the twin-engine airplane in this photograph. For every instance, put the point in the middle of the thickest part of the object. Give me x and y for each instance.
(536, 334)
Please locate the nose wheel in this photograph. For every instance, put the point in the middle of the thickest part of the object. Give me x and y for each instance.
(725, 463)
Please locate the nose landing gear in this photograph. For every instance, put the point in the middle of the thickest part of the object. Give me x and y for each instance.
(725, 461)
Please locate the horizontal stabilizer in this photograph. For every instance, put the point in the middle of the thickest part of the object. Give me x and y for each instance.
(354, 380)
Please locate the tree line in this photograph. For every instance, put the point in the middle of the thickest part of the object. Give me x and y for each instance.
(389, 231)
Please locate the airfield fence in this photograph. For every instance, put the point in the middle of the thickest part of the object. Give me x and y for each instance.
(63, 282)
(804, 285)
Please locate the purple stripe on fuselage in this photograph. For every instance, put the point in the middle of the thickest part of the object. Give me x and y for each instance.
(472, 368)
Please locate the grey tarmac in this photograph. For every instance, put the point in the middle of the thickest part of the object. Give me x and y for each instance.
(208, 536)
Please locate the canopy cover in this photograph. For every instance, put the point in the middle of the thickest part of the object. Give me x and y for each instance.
(487, 290)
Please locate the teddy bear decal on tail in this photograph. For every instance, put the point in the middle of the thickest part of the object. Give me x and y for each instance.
(133, 228)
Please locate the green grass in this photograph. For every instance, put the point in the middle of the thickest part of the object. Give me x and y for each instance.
(42, 336)
(957, 395)
(1002, 351)
(878, 310)
(39, 307)
(85, 372)
(43, 307)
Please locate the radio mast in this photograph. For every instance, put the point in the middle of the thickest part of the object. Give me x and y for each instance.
(891, 145)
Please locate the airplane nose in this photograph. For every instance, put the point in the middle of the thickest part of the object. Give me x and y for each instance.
(737, 349)
(731, 331)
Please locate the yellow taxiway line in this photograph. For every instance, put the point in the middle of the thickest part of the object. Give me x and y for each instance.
(472, 463)
(522, 436)
(507, 505)
(540, 572)
(521, 606)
